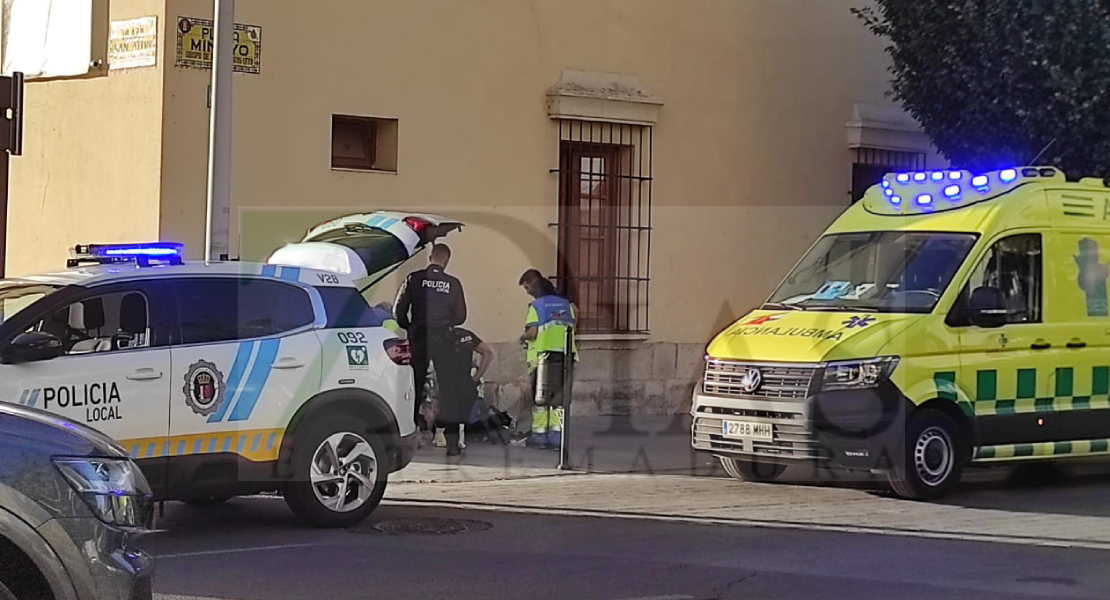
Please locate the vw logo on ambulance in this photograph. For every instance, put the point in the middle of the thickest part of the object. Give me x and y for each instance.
(750, 382)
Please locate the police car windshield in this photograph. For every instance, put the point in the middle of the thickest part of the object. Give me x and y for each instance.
(14, 298)
(883, 271)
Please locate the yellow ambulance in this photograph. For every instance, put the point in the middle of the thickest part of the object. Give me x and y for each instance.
(946, 319)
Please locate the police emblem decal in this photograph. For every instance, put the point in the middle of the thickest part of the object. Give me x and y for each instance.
(204, 388)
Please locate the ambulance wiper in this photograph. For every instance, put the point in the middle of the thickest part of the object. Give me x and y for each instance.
(839, 307)
(780, 306)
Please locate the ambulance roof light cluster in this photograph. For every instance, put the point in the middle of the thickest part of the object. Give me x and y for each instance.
(924, 192)
(142, 255)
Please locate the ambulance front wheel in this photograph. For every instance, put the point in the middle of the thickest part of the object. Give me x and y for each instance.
(933, 458)
(340, 472)
(751, 470)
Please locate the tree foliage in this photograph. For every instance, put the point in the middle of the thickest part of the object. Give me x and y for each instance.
(993, 82)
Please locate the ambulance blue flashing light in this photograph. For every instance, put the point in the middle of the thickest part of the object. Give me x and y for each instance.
(925, 199)
(886, 184)
(888, 192)
(981, 181)
(1008, 175)
(952, 191)
(903, 178)
(920, 176)
(938, 176)
(896, 200)
(955, 175)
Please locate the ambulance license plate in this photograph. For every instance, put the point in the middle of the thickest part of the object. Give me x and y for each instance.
(747, 430)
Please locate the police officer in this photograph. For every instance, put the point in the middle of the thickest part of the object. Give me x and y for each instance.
(550, 318)
(429, 303)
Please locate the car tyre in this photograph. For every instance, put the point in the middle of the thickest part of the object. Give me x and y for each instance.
(933, 457)
(340, 473)
(751, 470)
(5, 593)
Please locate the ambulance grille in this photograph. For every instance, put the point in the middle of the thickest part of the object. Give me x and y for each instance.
(779, 381)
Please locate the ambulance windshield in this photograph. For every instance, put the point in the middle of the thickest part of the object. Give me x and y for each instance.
(882, 271)
(14, 298)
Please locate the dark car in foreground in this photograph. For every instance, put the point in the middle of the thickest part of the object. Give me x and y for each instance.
(72, 507)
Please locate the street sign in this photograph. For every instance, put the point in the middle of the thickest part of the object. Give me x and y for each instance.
(11, 114)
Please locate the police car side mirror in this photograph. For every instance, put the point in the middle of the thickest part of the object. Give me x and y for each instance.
(31, 347)
(987, 308)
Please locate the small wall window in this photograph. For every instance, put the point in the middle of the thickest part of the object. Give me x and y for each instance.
(363, 143)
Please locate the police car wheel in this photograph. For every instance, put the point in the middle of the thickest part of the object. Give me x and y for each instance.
(933, 458)
(340, 473)
(751, 470)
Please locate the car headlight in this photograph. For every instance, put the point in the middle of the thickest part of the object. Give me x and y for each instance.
(114, 489)
(858, 374)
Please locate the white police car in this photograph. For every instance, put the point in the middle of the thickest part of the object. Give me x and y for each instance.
(228, 378)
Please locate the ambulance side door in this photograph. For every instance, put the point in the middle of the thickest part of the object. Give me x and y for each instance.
(1010, 371)
(114, 374)
(1081, 297)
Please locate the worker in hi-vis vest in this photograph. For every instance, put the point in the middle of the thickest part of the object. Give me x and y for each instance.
(550, 318)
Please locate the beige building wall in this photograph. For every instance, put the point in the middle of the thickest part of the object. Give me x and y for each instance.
(91, 168)
(752, 132)
(750, 161)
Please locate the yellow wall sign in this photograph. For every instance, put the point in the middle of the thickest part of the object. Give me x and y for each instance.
(195, 46)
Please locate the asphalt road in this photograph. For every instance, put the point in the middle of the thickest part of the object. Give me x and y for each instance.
(251, 549)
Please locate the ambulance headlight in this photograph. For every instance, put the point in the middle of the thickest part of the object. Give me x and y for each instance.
(114, 489)
(858, 374)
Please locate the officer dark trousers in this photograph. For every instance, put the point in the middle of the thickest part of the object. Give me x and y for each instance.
(456, 388)
(419, 361)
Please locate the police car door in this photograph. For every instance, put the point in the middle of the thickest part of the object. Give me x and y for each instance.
(246, 359)
(114, 374)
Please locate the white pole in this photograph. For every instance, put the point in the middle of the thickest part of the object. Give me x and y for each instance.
(218, 219)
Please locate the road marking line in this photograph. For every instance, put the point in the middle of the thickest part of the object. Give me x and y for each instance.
(662, 598)
(236, 550)
(172, 597)
(910, 533)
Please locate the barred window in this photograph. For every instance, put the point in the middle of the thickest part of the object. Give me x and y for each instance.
(605, 177)
(872, 164)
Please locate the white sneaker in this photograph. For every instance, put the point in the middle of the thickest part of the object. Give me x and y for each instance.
(440, 440)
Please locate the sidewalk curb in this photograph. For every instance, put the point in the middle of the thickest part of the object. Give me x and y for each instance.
(769, 524)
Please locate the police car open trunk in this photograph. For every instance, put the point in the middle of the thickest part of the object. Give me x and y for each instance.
(367, 247)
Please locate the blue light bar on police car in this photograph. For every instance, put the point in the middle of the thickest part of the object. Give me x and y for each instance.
(132, 250)
(142, 254)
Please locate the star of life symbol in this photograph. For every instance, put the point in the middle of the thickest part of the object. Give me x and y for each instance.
(860, 322)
